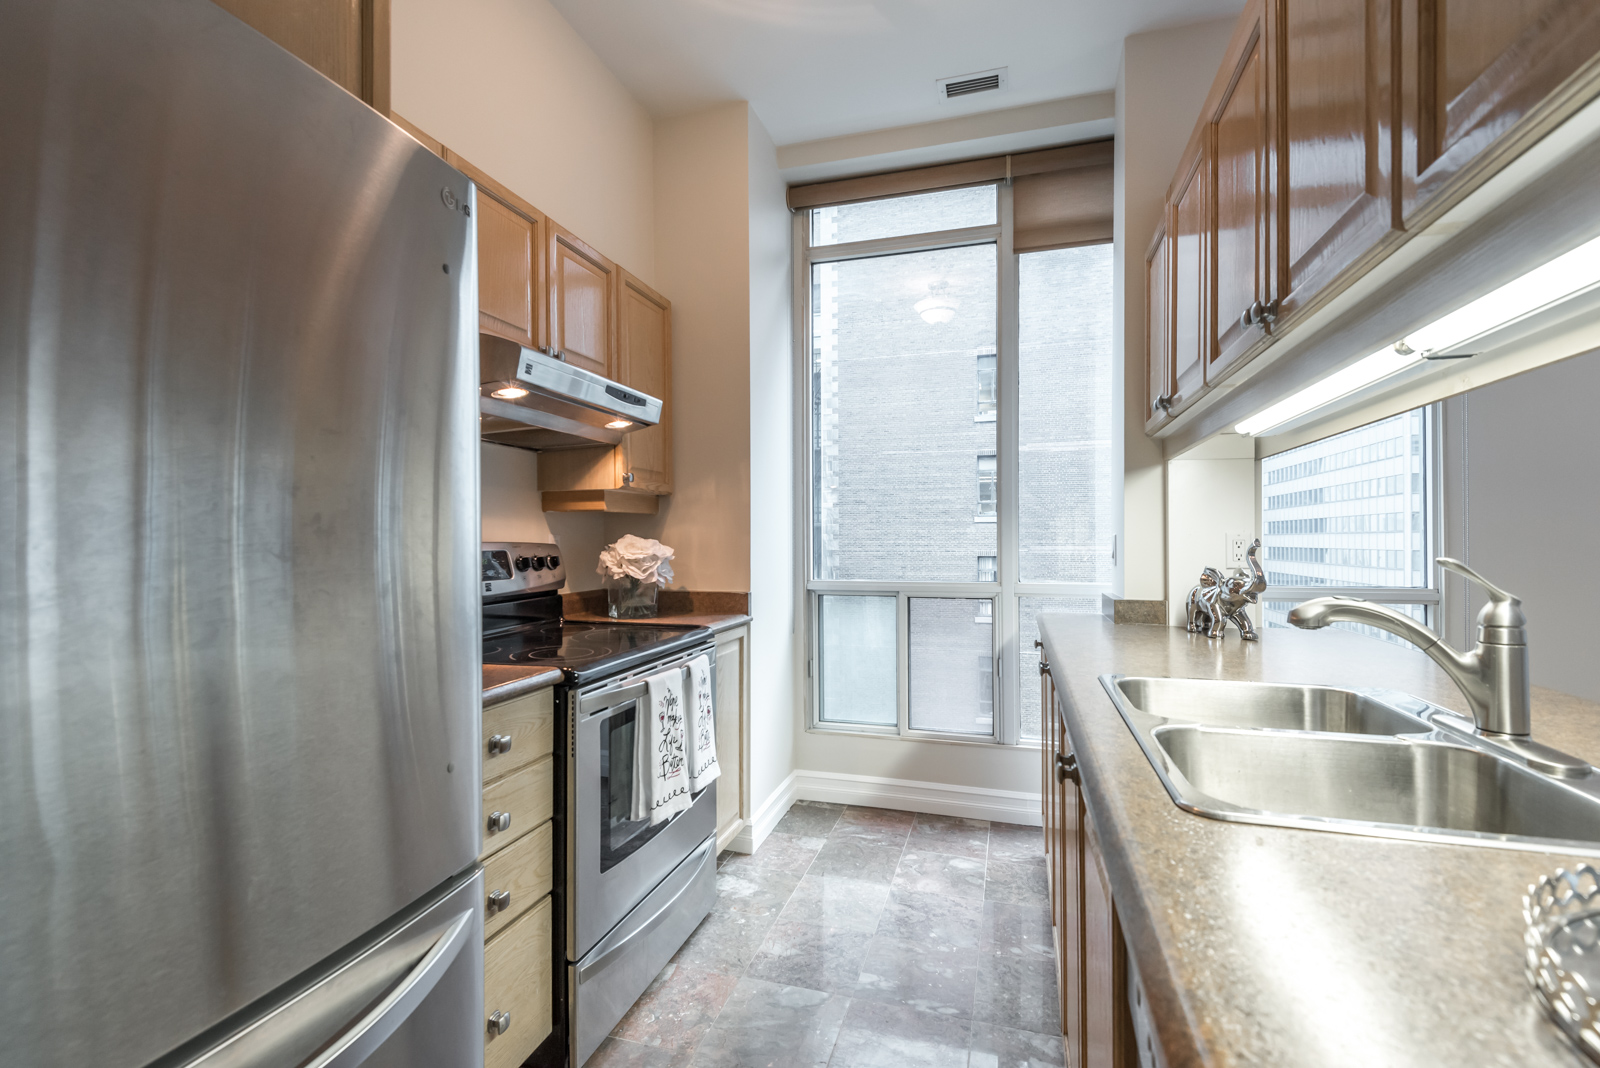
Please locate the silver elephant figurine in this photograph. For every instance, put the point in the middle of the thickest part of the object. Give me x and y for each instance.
(1217, 600)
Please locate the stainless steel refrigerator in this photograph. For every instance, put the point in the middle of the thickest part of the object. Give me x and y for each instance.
(239, 635)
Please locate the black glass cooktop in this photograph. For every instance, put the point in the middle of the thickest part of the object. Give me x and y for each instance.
(588, 651)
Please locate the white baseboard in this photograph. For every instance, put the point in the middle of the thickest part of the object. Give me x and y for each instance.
(1002, 806)
(760, 825)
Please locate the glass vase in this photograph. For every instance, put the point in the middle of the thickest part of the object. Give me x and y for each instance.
(632, 599)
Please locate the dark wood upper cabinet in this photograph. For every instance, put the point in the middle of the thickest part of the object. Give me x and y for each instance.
(1191, 272)
(1158, 328)
(1472, 69)
(1334, 77)
(1241, 135)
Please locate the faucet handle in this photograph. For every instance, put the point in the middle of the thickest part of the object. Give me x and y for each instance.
(1504, 610)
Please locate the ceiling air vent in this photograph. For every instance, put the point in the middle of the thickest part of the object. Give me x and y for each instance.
(985, 81)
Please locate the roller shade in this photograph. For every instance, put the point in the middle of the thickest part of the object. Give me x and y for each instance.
(1061, 197)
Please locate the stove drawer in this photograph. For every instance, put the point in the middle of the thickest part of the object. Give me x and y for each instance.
(523, 800)
(529, 724)
(522, 870)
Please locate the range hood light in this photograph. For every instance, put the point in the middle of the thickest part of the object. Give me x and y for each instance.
(619, 424)
(510, 391)
(1561, 278)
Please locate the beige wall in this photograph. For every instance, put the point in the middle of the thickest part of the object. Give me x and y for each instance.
(1164, 78)
(509, 482)
(772, 444)
(1211, 493)
(703, 234)
(511, 86)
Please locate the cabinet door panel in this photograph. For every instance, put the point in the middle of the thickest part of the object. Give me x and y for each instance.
(1473, 68)
(507, 243)
(582, 299)
(645, 363)
(1104, 981)
(1336, 172)
(1158, 328)
(1242, 209)
(1191, 223)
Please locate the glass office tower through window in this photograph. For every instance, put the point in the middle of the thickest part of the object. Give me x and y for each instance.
(1352, 512)
(912, 540)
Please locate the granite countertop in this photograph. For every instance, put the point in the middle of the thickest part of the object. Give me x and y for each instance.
(1281, 947)
(502, 682)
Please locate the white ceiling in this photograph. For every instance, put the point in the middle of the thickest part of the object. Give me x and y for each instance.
(822, 68)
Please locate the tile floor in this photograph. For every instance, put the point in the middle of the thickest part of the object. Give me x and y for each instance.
(861, 938)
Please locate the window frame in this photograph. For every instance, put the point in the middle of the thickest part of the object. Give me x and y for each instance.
(1006, 593)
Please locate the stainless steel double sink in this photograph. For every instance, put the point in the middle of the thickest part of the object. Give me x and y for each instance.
(1370, 762)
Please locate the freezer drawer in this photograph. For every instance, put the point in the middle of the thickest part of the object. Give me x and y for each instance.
(410, 1000)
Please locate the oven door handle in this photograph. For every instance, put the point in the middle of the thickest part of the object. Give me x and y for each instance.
(604, 955)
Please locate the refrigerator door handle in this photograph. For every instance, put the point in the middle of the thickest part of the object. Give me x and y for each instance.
(394, 972)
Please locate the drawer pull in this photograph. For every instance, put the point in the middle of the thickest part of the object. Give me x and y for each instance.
(499, 901)
(499, 743)
(499, 821)
(499, 1023)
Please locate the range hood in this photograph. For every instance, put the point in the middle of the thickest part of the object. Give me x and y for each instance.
(565, 407)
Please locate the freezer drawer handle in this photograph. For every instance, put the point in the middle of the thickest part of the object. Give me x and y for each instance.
(499, 1022)
(499, 821)
(297, 1029)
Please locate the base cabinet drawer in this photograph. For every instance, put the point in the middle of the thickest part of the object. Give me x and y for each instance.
(518, 732)
(516, 804)
(517, 984)
(521, 872)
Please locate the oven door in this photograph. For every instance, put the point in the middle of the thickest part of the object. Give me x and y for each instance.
(614, 862)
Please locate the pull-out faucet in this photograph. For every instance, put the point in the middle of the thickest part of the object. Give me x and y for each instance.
(1494, 676)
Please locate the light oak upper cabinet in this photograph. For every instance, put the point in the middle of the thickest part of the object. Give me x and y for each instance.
(583, 302)
(1471, 69)
(347, 40)
(1190, 215)
(1241, 138)
(645, 364)
(1334, 63)
(1158, 328)
(511, 234)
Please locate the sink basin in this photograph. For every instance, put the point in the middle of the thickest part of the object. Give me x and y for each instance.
(1379, 780)
(1369, 762)
(1267, 705)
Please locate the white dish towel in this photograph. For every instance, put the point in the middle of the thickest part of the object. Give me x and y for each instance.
(703, 769)
(662, 753)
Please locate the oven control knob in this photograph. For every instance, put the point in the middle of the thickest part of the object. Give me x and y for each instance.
(499, 1023)
(538, 563)
(499, 821)
(555, 561)
(499, 901)
(525, 562)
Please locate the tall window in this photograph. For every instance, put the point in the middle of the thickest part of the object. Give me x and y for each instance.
(1353, 513)
(936, 442)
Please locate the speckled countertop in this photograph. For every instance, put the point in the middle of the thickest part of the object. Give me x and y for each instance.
(502, 682)
(1280, 947)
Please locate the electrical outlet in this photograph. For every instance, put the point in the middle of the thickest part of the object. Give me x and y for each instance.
(1238, 546)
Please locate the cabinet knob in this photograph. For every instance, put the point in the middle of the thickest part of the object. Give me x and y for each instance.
(1166, 401)
(499, 821)
(499, 1022)
(1269, 311)
(627, 479)
(1067, 767)
(499, 901)
(499, 743)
